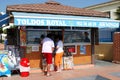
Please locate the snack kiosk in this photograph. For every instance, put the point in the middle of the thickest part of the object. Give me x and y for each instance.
(32, 21)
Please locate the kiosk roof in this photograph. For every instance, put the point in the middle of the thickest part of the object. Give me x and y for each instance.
(52, 7)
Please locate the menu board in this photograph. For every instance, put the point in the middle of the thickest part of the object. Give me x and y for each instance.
(83, 49)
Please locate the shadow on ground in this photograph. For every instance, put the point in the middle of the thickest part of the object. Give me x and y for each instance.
(94, 77)
(117, 74)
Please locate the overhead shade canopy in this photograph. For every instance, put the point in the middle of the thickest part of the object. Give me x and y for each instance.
(4, 19)
(34, 19)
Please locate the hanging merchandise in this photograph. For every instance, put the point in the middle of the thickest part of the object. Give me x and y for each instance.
(4, 66)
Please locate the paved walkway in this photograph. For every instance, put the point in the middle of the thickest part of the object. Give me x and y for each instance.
(101, 71)
(1, 46)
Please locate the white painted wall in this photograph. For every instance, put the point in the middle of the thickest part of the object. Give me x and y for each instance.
(107, 7)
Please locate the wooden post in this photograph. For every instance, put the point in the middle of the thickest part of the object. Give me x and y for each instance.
(94, 40)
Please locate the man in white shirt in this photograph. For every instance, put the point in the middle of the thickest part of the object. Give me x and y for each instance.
(47, 50)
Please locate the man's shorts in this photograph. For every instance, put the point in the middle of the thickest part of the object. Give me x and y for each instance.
(48, 57)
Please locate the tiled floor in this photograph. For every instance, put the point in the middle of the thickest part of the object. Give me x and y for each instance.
(1, 46)
(97, 72)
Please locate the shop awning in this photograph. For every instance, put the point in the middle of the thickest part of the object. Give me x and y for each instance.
(4, 19)
(34, 19)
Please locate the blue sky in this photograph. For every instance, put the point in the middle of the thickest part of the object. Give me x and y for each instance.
(74, 3)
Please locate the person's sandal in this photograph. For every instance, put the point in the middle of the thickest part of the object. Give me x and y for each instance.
(58, 71)
(45, 73)
(48, 75)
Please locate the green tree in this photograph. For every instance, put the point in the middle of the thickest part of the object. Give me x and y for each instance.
(118, 13)
(5, 31)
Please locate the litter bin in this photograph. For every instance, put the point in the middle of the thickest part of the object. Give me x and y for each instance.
(24, 67)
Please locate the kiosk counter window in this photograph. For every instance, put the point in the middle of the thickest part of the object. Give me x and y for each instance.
(33, 36)
(106, 34)
(76, 36)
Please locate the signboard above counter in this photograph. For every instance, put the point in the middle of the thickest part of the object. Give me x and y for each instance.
(33, 19)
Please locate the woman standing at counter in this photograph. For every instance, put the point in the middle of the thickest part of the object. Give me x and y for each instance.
(59, 53)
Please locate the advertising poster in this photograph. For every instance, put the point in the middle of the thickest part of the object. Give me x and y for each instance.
(29, 49)
(82, 49)
(69, 49)
(68, 62)
(35, 48)
(4, 66)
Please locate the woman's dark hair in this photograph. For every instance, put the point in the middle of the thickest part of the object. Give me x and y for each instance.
(49, 35)
(86, 33)
(60, 37)
(42, 36)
